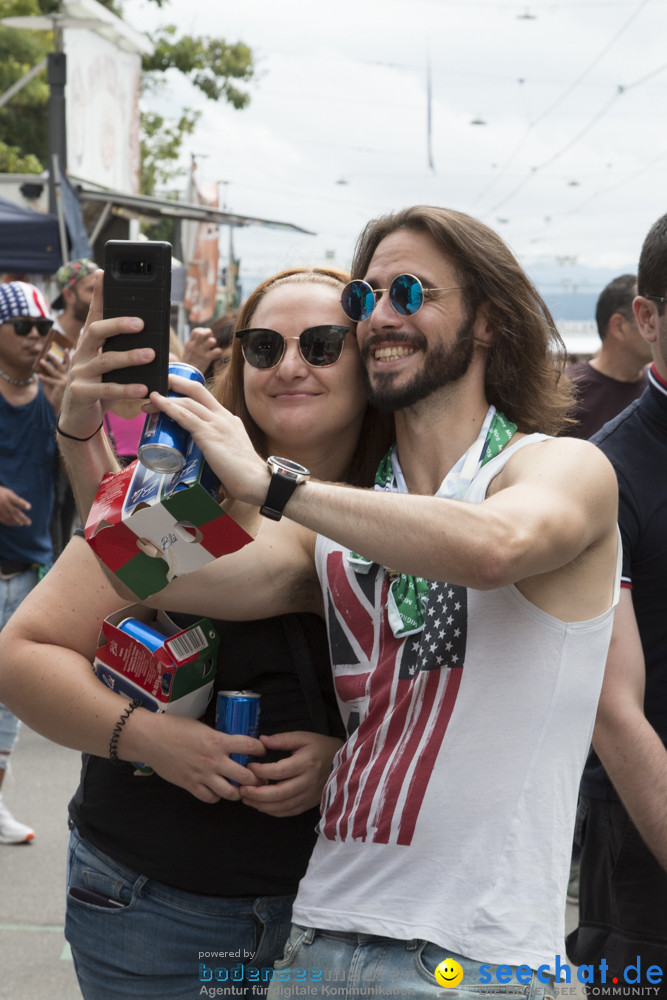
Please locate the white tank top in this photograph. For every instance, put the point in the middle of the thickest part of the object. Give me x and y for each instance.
(449, 812)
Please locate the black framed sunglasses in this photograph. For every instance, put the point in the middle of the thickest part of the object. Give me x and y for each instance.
(657, 298)
(22, 327)
(406, 295)
(320, 346)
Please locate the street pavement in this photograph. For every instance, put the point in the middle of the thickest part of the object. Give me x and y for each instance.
(35, 961)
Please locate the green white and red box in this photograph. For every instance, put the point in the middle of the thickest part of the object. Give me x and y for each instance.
(148, 527)
(177, 677)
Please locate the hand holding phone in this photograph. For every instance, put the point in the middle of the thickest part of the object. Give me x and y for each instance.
(137, 282)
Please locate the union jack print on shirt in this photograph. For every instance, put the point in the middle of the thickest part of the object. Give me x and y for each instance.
(398, 695)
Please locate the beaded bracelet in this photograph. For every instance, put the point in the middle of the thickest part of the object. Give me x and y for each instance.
(72, 437)
(118, 728)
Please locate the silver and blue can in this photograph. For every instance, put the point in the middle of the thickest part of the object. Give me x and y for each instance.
(237, 713)
(164, 443)
(143, 633)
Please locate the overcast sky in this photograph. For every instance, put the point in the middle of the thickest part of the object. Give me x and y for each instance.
(548, 120)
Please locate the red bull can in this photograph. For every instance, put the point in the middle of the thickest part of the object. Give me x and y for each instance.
(237, 713)
(164, 443)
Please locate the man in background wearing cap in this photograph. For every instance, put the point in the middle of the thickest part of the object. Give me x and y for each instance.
(28, 408)
(75, 284)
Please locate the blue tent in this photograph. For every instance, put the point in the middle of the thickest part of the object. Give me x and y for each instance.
(29, 240)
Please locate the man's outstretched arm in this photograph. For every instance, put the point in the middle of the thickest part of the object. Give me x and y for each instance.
(518, 532)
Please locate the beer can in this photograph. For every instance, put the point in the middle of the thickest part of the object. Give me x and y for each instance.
(164, 443)
(143, 633)
(237, 713)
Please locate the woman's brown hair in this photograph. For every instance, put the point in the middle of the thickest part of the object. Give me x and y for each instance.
(377, 429)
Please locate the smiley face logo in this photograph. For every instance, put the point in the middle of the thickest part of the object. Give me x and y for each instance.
(449, 973)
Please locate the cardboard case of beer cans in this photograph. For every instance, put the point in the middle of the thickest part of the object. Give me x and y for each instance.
(176, 676)
(149, 527)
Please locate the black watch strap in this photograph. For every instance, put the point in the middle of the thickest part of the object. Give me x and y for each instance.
(280, 490)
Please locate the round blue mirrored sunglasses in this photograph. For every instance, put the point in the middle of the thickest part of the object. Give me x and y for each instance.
(406, 295)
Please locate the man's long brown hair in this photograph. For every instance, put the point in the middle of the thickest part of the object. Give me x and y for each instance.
(377, 430)
(525, 363)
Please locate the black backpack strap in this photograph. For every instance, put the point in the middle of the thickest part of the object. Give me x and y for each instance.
(308, 674)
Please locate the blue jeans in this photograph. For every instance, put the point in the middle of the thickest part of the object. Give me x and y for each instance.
(332, 963)
(12, 593)
(162, 942)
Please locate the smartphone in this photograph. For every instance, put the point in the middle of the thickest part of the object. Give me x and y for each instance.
(56, 343)
(137, 282)
(89, 896)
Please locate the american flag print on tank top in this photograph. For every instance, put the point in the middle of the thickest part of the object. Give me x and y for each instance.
(397, 698)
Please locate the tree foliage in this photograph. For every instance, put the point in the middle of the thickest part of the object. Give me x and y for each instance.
(23, 146)
(212, 65)
(116, 6)
(161, 143)
(209, 63)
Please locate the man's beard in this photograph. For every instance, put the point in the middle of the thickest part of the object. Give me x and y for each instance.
(80, 309)
(442, 366)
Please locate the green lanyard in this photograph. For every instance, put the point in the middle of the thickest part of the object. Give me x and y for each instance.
(407, 594)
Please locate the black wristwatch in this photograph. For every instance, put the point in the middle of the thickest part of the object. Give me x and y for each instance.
(285, 477)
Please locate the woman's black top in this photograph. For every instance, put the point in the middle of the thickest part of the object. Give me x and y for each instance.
(225, 849)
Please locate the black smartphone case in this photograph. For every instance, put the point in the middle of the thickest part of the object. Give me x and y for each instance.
(137, 282)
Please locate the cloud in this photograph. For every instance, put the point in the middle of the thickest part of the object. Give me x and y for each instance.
(569, 161)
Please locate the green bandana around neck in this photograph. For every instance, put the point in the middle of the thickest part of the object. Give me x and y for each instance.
(407, 594)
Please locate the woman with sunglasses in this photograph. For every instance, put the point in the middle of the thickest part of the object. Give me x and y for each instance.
(174, 882)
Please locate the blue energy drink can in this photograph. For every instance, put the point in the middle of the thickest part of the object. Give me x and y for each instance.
(164, 443)
(237, 713)
(143, 633)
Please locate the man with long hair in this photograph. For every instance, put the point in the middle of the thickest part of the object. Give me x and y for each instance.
(469, 600)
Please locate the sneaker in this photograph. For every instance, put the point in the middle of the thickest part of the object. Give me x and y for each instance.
(11, 831)
(573, 884)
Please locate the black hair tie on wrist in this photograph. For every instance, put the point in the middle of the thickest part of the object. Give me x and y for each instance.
(72, 437)
(118, 728)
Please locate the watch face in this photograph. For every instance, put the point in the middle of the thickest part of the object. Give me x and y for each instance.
(288, 466)
(286, 477)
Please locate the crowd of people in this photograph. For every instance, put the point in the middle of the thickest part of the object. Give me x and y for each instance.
(446, 627)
